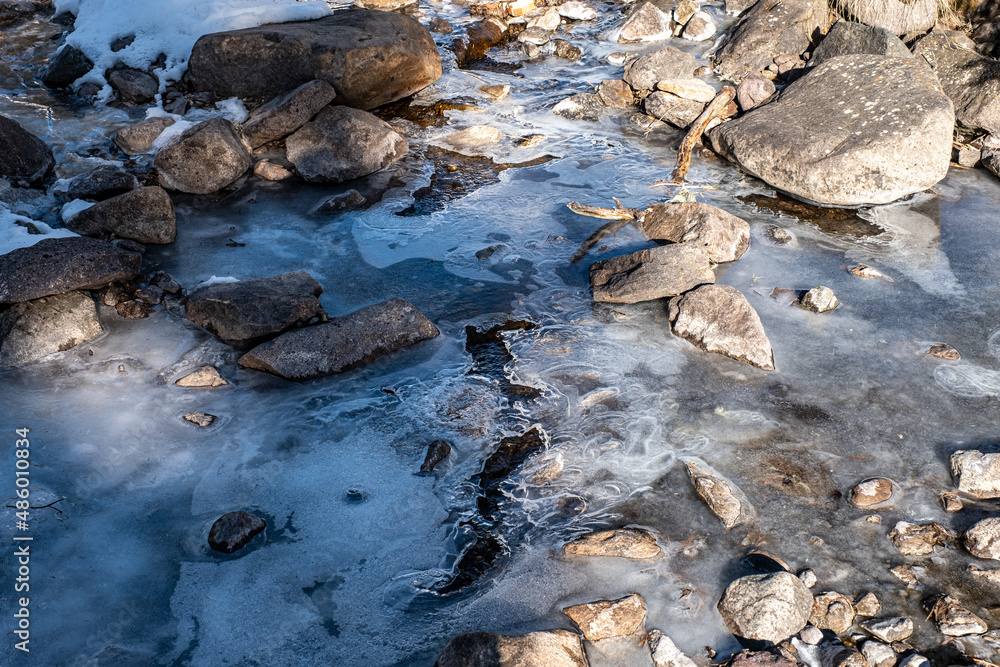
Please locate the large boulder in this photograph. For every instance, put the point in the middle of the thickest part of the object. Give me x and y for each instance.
(343, 343)
(890, 137)
(718, 318)
(23, 156)
(848, 38)
(766, 607)
(54, 266)
(770, 28)
(203, 159)
(287, 113)
(371, 58)
(254, 308)
(724, 236)
(651, 274)
(970, 80)
(145, 215)
(34, 329)
(548, 648)
(342, 144)
(896, 16)
(103, 183)
(667, 63)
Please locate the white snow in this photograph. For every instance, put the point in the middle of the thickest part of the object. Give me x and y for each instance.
(14, 235)
(71, 208)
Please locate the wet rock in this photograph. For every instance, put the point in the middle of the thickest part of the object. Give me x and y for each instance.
(552, 648)
(370, 58)
(342, 343)
(24, 157)
(270, 171)
(667, 63)
(609, 618)
(286, 113)
(854, 157)
(536, 36)
(650, 274)
(574, 10)
(700, 27)
(760, 659)
(253, 308)
(905, 573)
(145, 215)
(665, 653)
(163, 280)
(620, 543)
(646, 23)
(234, 530)
(878, 654)
(65, 67)
(548, 20)
(342, 144)
(582, 106)
(202, 419)
(954, 620)
(616, 94)
(896, 16)
(915, 539)
(888, 630)
(139, 137)
(34, 329)
(206, 376)
(566, 50)
(718, 318)
(133, 309)
(437, 451)
(970, 80)
(496, 92)
(865, 271)
(696, 90)
(753, 89)
(203, 159)
(673, 109)
(766, 607)
(150, 294)
(871, 492)
(976, 473)
(766, 30)
(983, 539)
(103, 183)
(726, 500)
(439, 25)
(778, 235)
(811, 635)
(132, 86)
(54, 266)
(723, 235)
(848, 38)
(350, 199)
(474, 137)
(832, 611)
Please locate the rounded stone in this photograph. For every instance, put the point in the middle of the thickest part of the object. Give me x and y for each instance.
(767, 607)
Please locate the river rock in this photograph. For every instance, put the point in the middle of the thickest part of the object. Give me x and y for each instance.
(271, 171)
(977, 473)
(620, 543)
(139, 137)
(145, 215)
(848, 38)
(766, 607)
(616, 94)
(342, 343)
(760, 658)
(867, 605)
(718, 318)
(549, 648)
(871, 492)
(566, 50)
(896, 16)
(203, 159)
(667, 63)
(675, 110)
(753, 90)
(575, 10)
(23, 157)
(609, 618)
(665, 653)
(132, 86)
(384, 5)
(767, 30)
(915, 539)
(877, 654)
(888, 630)
(891, 139)
(724, 236)
(253, 308)
(370, 58)
(650, 274)
(582, 106)
(954, 620)
(437, 451)
(234, 530)
(206, 376)
(548, 20)
(832, 611)
(726, 500)
(103, 183)
(476, 136)
(34, 329)
(534, 35)
(54, 266)
(819, 300)
(348, 200)
(66, 66)
(646, 23)
(983, 539)
(342, 144)
(202, 419)
(970, 80)
(696, 90)
(700, 27)
(286, 113)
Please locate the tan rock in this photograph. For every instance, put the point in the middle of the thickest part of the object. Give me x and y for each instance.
(977, 473)
(621, 543)
(609, 618)
(722, 496)
(697, 90)
(200, 418)
(832, 611)
(871, 492)
(914, 539)
(206, 376)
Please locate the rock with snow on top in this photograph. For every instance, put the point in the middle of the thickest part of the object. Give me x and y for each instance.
(139, 137)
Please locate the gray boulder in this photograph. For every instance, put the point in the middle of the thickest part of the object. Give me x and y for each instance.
(548, 648)
(371, 58)
(342, 144)
(977, 473)
(650, 274)
(645, 23)
(139, 137)
(896, 16)
(253, 308)
(667, 63)
(848, 38)
(717, 318)
(23, 156)
(891, 136)
(724, 236)
(343, 343)
(34, 329)
(54, 266)
(766, 607)
(103, 183)
(287, 113)
(145, 215)
(65, 67)
(132, 86)
(970, 80)
(203, 159)
(234, 530)
(672, 109)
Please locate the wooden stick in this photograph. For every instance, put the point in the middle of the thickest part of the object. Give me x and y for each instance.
(715, 109)
(617, 213)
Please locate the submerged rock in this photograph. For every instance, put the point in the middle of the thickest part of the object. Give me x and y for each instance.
(894, 629)
(983, 539)
(139, 137)
(203, 159)
(551, 648)
(718, 318)
(286, 113)
(620, 543)
(724, 236)
(726, 500)
(34, 329)
(970, 80)
(103, 183)
(896, 16)
(437, 451)
(871, 492)
(206, 376)
(23, 156)
(667, 63)
(977, 473)
(609, 618)
(234, 530)
(766, 607)
(650, 274)
(848, 38)
(145, 215)
(915, 539)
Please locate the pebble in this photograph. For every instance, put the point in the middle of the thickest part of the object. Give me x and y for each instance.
(808, 578)
(200, 418)
(867, 605)
(811, 635)
(983, 539)
(951, 503)
(871, 492)
(819, 300)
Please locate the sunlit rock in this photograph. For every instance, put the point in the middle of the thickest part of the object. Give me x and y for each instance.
(34, 329)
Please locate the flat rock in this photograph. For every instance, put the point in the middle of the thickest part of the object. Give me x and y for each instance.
(891, 137)
(620, 543)
(976, 473)
(726, 500)
(66, 66)
(145, 215)
(370, 58)
(342, 144)
(675, 110)
(548, 648)
(718, 318)
(271, 171)
(896, 16)
(202, 419)
(609, 618)
(139, 137)
(34, 329)
(286, 113)
(582, 106)
(23, 157)
(476, 136)
(54, 266)
(250, 309)
(206, 376)
(916, 539)
(650, 274)
(954, 620)
(888, 630)
(343, 343)
(234, 530)
(766, 607)
(848, 38)
(667, 63)
(970, 80)
(203, 159)
(645, 23)
(724, 236)
(870, 492)
(832, 611)
(983, 539)
(103, 183)
(696, 90)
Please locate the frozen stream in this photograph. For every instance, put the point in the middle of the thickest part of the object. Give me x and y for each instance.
(356, 541)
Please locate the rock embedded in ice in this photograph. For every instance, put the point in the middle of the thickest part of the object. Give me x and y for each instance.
(342, 144)
(832, 611)
(370, 57)
(675, 110)
(766, 607)
(896, 16)
(954, 620)
(206, 376)
(819, 300)
(139, 137)
(551, 648)
(726, 500)
(496, 92)
(986, 576)
(474, 137)
(778, 235)
(667, 63)
(905, 573)
(33, 329)
(700, 27)
(665, 653)
(350, 199)
(609, 618)
(270, 171)
(848, 38)
(761, 659)
(646, 23)
(150, 294)
(133, 87)
(808, 577)
(871, 492)
(566, 50)
(878, 654)
(203, 159)
(145, 215)
(616, 94)
(537, 36)
(867, 605)
(65, 67)
(951, 503)
(753, 90)
(249, 309)
(983, 539)
(620, 543)
(651, 274)
(888, 630)
(575, 10)
(24, 158)
(976, 473)
(163, 280)
(343, 343)
(437, 451)
(286, 113)
(103, 183)
(202, 419)
(865, 271)
(693, 89)
(915, 539)
(724, 236)
(718, 318)
(234, 530)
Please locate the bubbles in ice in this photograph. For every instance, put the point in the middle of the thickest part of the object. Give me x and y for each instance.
(968, 380)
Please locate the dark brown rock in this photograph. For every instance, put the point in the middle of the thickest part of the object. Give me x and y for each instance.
(203, 159)
(287, 113)
(145, 215)
(132, 86)
(23, 156)
(234, 530)
(65, 67)
(760, 658)
(650, 274)
(437, 451)
(717, 318)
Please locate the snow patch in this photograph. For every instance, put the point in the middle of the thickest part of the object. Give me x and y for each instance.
(71, 208)
(14, 231)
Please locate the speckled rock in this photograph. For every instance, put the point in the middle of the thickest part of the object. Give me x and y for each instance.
(145, 215)
(139, 137)
(766, 607)
(620, 543)
(970, 80)
(847, 38)
(23, 156)
(34, 329)
(726, 500)
(549, 648)
(718, 318)
(609, 618)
